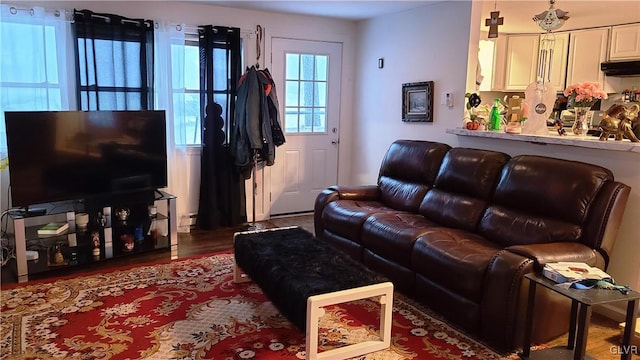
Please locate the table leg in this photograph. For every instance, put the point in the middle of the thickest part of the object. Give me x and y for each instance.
(526, 346)
(583, 331)
(572, 325)
(629, 328)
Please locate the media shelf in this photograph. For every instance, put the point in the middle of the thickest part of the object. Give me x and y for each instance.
(140, 232)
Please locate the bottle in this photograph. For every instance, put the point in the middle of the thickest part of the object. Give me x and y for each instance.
(153, 232)
(494, 118)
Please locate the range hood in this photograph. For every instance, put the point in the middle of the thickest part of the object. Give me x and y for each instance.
(621, 68)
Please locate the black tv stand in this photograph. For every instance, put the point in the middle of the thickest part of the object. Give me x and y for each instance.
(33, 211)
(149, 232)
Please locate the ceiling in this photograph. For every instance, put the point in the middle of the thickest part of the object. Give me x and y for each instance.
(350, 10)
(517, 14)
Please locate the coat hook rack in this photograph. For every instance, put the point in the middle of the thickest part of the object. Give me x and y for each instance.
(259, 34)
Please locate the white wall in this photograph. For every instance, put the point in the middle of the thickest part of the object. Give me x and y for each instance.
(433, 43)
(430, 43)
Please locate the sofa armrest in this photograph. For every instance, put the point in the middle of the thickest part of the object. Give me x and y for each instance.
(542, 254)
(501, 295)
(340, 192)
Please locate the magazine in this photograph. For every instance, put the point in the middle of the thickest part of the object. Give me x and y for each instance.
(563, 272)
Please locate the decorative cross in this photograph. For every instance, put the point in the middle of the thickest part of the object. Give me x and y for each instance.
(493, 23)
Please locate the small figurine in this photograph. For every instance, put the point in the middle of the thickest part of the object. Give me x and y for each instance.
(559, 127)
(127, 242)
(58, 258)
(618, 122)
(95, 238)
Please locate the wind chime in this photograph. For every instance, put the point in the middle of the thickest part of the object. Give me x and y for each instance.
(541, 92)
(548, 20)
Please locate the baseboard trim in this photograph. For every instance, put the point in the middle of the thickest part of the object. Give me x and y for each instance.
(612, 311)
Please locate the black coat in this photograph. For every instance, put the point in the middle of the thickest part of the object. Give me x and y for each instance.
(256, 131)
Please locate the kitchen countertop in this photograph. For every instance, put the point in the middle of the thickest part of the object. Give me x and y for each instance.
(553, 138)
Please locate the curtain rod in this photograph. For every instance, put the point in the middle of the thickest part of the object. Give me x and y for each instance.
(193, 29)
(108, 19)
(13, 10)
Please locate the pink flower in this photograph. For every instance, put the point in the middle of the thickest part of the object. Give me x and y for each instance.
(586, 93)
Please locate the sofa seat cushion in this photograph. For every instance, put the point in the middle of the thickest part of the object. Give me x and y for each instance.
(455, 259)
(346, 217)
(392, 234)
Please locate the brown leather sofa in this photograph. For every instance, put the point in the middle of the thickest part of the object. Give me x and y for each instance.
(458, 228)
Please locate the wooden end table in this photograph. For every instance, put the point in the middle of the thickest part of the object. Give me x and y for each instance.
(581, 303)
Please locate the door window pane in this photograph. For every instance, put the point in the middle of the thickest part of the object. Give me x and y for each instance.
(306, 93)
(292, 93)
(319, 120)
(291, 120)
(320, 98)
(293, 67)
(321, 67)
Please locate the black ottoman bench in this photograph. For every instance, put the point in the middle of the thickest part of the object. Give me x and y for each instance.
(301, 275)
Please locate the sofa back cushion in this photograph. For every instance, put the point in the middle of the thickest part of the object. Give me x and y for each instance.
(464, 184)
(542, 200)
(408, 171)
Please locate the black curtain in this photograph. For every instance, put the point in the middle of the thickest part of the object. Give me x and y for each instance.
(222, 194)
(114, 61)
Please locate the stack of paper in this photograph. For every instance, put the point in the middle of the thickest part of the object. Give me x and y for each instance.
(563, 272)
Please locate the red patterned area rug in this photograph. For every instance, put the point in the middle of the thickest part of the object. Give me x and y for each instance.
(192, 309)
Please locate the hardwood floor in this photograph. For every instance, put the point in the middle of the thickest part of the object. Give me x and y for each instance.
(604, 334)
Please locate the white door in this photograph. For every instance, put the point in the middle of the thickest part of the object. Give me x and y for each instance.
(307, 76)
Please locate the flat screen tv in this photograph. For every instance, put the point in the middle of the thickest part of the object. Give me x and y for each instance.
(71, 155)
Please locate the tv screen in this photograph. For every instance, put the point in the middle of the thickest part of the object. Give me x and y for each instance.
(70, 155)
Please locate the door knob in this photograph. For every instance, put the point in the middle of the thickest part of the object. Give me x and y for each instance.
(335, 141)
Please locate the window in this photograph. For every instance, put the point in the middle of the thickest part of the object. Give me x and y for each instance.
(185, 82)
(305, 93)
(34, 61)
(186, 88)
(115, 62)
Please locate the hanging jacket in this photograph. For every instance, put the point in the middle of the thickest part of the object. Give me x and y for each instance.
(256, 121)
(276, 130)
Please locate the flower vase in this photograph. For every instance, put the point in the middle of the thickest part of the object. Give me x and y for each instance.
(581, 125)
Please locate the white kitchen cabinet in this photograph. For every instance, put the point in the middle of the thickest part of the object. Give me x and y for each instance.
(491, 56)
(499, 64)
(587, 49)
(558, 66)
(625, 42)
(521, 61)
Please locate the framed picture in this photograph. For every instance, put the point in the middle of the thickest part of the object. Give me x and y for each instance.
(417, 102)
